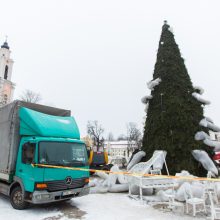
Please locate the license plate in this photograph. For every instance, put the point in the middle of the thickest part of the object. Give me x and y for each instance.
(68, 192)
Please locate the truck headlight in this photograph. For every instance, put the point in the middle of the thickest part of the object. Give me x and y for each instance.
(43, 197)
(46, 196)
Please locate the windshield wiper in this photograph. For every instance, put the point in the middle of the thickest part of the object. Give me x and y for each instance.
(76, 163)
(55, 163)
(66, 163)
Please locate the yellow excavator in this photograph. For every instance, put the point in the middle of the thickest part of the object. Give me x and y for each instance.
(98, 158)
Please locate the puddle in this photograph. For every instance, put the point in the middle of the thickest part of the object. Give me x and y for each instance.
(67, 210)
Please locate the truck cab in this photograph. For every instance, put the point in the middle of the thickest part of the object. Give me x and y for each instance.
(45, 170)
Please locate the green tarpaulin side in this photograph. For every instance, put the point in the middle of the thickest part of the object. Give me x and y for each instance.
(40, 124)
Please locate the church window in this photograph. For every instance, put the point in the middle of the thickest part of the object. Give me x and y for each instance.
(5, 100)
(6, 72)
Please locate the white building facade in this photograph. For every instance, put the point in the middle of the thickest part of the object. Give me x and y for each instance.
(6, 64)
(120, 148)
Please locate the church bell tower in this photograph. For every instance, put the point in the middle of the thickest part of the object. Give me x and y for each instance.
(6, 86)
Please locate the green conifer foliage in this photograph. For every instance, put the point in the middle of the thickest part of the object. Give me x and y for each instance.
(174, 114)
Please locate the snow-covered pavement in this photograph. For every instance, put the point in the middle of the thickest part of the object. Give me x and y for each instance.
(91, 207)
(121, 207)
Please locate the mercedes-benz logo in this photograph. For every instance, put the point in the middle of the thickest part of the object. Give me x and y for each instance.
(68, 180)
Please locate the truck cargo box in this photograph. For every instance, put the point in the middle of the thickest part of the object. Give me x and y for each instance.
(9, 132)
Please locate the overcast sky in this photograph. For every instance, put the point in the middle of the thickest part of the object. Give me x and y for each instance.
(95, 56)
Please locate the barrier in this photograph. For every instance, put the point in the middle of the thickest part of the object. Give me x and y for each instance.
(129, 173)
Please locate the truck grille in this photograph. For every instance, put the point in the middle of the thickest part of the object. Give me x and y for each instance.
(61, 184)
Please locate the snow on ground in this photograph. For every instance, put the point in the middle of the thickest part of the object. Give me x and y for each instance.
(92, 207)
(121, 207)
(33, 213)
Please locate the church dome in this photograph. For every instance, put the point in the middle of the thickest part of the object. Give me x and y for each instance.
(5, 45)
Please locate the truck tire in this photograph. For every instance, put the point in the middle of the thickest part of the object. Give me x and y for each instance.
(17, 199)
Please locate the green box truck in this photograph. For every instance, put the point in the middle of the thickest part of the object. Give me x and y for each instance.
(39, 148)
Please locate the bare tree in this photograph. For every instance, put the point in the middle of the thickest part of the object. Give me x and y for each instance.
(134, 134)
(122, 137)
(30, 96)
(95, 131)
(88, 141)
(110, 136)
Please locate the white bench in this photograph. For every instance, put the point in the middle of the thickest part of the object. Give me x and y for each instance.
(151, 183)
(139, 179)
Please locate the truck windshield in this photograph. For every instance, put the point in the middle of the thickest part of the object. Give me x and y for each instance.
(62, 154)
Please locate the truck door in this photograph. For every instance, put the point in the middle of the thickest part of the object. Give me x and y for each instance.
(26, 171)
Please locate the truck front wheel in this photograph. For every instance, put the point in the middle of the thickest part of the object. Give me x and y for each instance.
(17, 199)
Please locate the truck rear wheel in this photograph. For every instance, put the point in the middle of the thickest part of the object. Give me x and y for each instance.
(17, 199)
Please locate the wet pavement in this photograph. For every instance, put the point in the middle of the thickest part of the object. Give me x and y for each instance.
(66, 209)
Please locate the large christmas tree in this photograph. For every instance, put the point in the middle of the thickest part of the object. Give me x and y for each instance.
(174, 109)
